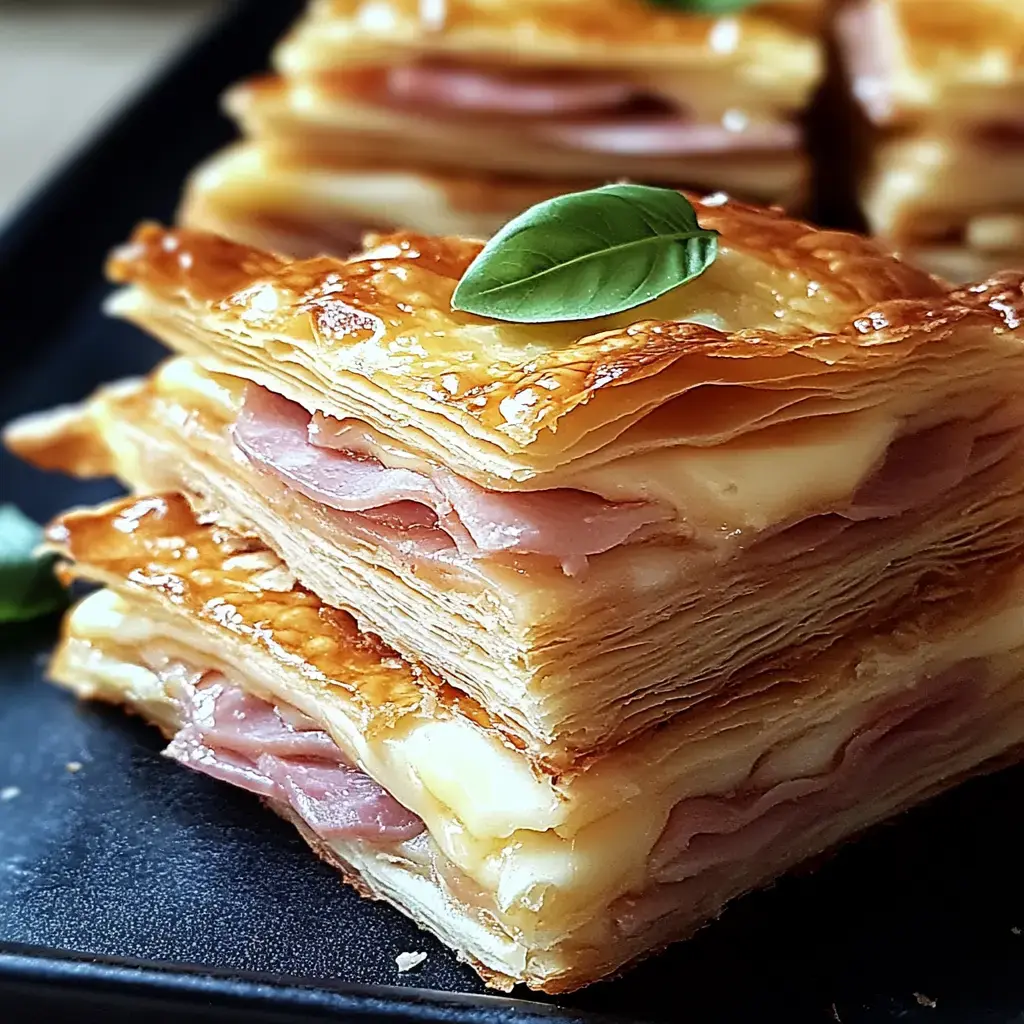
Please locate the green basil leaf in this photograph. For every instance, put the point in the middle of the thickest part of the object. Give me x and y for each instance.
(705, 6)
(28, 587)
(587, 254)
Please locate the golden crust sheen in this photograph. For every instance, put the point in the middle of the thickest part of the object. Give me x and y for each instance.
(941, 33)
(157, 546)
(385, 316)
(575, 31)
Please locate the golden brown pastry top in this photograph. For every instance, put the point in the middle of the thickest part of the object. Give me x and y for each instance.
(387, 312)
(156, 544)
(941, 32)
(796, 312)
(578, 33)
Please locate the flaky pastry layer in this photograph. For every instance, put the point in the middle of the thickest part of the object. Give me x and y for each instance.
(374, 338)
(569, 665)
(654, 837)
(939, 188)
(313, 121)
(772, 45)
(262, 199)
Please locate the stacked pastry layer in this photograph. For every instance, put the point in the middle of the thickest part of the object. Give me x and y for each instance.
(559, 636)
(943, 84)
(451, 117)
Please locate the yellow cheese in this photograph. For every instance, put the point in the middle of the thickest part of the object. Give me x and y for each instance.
(484, 809)
(758, 480)
(182, 378)
(490, 789)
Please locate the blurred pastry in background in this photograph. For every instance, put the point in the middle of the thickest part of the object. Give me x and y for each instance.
(941, 83)
(451, 117)
(275, 201)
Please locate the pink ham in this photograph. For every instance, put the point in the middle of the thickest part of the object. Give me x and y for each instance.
(541, 93)
(669, 136)
(615, 113)
(556, 522)
(707, 832)
(274, 432)
(923, 465)
(280, 754)
(918, 468)
(340, 804)
(708, 838)
(867, 39)
(230, 719)
(564, 524)
(190, 749)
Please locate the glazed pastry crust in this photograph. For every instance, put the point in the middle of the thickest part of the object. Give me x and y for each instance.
(606, 33)
(375, 337)
(937, 634)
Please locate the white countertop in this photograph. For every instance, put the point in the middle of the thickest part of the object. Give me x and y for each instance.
(64, 68)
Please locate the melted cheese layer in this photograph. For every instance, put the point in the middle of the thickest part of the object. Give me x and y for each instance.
(753, 482)
(563, 849)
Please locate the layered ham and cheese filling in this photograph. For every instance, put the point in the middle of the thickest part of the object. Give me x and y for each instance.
(319, 124)
(590, 111)
(587, 869)
(434, 562)
(625, 86)
(589, 527)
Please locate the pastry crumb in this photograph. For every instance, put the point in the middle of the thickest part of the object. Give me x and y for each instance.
(924, 1000)
(73, 766)
(408, 961)
(9, 793)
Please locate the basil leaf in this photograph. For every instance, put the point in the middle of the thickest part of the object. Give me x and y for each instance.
(28, 587)
(705, 6)
(587, 254)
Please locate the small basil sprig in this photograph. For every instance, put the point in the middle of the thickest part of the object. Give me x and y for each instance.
(28, 587)
(587, 254)
(705, 6)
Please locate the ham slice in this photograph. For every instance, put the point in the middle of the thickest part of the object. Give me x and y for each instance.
(601, 115)
(669, 136)
(340, 804)
(333, 463)
(918, 468)
(280, 754)
(568, 525)
(707, 835)
(542, 93)
(923, 465)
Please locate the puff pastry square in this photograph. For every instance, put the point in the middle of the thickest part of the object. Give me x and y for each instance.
(452, 117)
(558, 636)
(943, 83)
(407, 788)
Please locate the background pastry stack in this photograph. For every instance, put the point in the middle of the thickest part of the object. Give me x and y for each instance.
(942, 84)
(559, 635)
(451, 116)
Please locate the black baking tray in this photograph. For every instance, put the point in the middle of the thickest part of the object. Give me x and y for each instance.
(134, 890)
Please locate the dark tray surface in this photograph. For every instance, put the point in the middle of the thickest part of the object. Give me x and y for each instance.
(134, 858)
